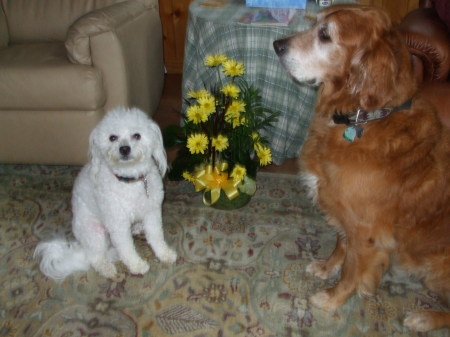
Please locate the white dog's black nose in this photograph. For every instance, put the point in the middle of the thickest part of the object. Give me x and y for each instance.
(125, 150)
(280, 46)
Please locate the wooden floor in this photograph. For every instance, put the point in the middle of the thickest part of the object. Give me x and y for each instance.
(168, 113)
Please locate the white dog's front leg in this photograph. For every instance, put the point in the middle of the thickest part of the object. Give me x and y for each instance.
(155, 237)
(123, 242)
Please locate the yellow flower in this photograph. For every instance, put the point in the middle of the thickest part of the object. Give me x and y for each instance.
(255, 136)
(233, 113)
(215, 60)
(257, 146)
(231, 90)
(197, 143)
(196, 115)
(238, 173)
(207, 104)
(264, 154)
(233, 68)
(189, 177)
(235, 108)
(198, 93)
(232, 117)
(220, 143)
(237, 121)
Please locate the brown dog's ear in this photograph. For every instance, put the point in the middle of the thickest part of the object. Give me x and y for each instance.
(380, 22)
(374, 67)
(373, 74)
(357, 25)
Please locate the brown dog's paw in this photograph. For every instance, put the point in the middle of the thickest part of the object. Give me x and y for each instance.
(323, 300)
(320, 269)
(427, 320)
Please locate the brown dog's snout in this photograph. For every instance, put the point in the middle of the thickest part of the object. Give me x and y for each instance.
(280, 46)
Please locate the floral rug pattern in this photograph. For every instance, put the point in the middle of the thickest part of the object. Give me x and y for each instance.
(239, 273)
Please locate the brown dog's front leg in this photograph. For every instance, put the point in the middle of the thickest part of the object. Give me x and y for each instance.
(327, 268)
(362, 270)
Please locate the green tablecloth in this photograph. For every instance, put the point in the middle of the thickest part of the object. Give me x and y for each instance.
(216, 30)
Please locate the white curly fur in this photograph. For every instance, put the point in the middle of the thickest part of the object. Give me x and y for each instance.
(107, 210)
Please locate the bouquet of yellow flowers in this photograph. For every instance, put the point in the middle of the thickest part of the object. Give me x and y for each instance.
(222, 144)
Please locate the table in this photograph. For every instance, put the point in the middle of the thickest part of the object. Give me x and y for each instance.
(217, 30)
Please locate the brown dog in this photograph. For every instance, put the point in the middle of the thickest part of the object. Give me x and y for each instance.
(377, 159)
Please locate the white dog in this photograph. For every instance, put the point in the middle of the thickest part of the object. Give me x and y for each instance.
(117, 194)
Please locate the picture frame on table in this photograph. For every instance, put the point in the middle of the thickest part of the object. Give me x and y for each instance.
(294, 4)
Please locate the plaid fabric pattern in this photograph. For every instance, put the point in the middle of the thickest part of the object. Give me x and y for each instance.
(216, 30)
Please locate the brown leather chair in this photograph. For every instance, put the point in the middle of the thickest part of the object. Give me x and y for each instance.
(427, 30)
(64, 63)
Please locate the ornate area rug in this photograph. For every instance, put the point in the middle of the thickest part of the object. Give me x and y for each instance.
(239, 273)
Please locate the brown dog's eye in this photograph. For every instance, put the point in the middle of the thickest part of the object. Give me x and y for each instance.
(113, 138)
(324, 36)
(136, 136)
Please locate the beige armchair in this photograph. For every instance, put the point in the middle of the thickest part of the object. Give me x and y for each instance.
(64, 63)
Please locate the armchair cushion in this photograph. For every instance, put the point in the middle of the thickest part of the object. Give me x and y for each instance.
(39, 75)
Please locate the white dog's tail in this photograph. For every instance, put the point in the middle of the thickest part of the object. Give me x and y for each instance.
(61, 258)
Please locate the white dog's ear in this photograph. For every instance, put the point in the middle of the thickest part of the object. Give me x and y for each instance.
(159, 154)
(94, 154)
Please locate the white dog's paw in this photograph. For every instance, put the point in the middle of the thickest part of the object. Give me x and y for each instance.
(137, 229)
(168, 256)
(106, 269)
(139, 267)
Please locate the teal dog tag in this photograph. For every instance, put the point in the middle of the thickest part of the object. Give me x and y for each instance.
(352, 132)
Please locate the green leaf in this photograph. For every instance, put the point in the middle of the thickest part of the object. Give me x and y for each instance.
(185, 161)
(173, 135)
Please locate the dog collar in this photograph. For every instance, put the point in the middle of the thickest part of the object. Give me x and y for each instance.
(361, 117)
(129, 180)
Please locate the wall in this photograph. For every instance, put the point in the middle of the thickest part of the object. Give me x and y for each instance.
(174, 15)
(396, 8)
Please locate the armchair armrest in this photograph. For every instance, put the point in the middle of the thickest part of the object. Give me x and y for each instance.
(99, 21)
(124, 41)
(4, 35)
(429, 42)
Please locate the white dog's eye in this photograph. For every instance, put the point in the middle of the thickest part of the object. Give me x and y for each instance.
(113, 138)
(137, 136)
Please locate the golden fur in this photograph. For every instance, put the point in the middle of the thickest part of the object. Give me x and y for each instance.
(388, 192)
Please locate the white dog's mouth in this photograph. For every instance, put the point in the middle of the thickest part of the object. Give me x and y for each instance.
(125, 155)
